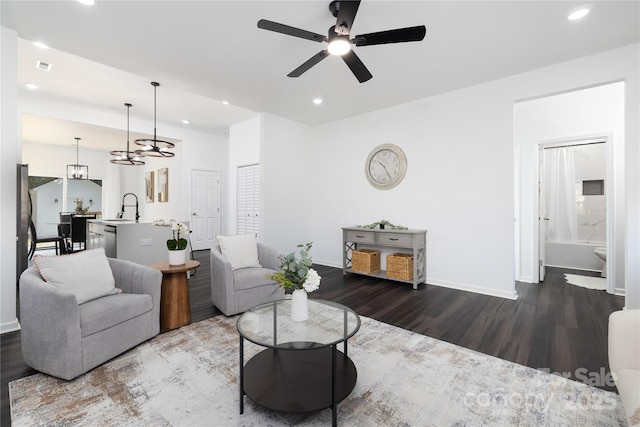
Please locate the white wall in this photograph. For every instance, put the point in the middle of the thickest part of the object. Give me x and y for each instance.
(458, 184)
(9, 157)
(574, 115)
(244, 149)
(289, 173)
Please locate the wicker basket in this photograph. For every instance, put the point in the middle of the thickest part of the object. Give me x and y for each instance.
(365, 261)
(400, 266)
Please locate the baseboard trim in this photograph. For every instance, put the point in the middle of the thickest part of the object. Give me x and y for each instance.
(10, 327)
(574, 268)
(512, 295)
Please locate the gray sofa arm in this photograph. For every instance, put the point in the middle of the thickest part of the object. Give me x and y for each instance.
(268, 257)
(50, 323)
(135, 278)
(222, 294)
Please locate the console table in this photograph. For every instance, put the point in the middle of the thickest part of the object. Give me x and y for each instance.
(407, 241)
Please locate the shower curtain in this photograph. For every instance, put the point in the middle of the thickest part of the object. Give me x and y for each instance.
(559, 199)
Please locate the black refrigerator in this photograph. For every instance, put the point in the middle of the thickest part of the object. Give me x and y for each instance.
(23, 217)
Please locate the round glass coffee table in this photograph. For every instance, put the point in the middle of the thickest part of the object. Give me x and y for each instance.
(301, 368)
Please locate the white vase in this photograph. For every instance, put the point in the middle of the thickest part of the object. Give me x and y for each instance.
(299, 308)
(178, 257)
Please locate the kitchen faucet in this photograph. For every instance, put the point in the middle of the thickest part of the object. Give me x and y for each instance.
(123, 205)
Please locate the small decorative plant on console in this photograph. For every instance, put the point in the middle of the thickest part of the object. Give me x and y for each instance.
(382, 224)
(297, 273)
(177, 243)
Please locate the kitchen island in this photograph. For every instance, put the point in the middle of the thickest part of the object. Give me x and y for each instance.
(142, 243)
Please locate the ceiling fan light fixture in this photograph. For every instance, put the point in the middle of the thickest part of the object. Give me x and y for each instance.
(127, 158)
(154, 147)
(339, 46)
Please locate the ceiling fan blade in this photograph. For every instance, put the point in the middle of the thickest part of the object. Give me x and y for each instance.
(357, 67)
(400, 35)
(346, 15)
(290, 31)
(309, 63)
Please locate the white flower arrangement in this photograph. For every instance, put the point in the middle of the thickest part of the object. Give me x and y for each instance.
(312, 281)
(296, 273)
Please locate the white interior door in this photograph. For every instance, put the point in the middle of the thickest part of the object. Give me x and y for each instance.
(205, 208)
(248, 200)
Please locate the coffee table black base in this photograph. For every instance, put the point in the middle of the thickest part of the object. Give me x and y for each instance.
(297, 381)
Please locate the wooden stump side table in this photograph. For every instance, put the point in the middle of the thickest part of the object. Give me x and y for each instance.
(175, 310)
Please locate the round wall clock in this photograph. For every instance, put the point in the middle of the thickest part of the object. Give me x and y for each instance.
(386, 166)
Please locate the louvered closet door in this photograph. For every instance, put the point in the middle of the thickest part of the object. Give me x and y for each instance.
(248, 200)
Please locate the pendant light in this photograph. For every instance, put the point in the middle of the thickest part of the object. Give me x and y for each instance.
(154, 147)
(129, 158)
(77, 171)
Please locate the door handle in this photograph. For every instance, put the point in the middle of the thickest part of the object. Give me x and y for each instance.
(194, 214)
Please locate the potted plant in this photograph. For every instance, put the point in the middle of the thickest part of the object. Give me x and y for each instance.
(297, 274)
(177, 245)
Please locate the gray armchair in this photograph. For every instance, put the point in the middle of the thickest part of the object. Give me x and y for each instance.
(236, 291)
(64, 339)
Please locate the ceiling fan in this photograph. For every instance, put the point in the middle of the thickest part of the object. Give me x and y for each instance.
(338, 41)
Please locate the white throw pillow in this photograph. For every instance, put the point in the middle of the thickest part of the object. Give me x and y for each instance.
(86, 274)
(240, 250)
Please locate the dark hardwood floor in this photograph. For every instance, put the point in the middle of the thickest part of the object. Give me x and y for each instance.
(552, 325)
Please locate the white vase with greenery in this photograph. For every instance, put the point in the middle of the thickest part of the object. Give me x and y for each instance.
(297, 274)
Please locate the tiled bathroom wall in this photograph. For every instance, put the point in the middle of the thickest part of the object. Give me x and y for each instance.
(590, 163)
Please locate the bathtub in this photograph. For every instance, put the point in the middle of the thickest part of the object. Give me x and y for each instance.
(576, 255)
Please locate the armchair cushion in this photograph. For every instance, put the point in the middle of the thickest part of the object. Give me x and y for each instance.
(85, 274)
(101, 314)
(240, 250)
(248, 278)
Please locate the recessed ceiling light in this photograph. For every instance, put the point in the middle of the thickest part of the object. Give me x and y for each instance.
(317, 101)
(31, 86)
(225, 102)
(41, 45)
(578, 13)
(87, 2)
(185, 121)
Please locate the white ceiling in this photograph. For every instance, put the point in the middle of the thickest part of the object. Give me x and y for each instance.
(204, 52)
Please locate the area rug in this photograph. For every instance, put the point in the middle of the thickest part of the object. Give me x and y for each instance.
(589, 282)
(189, 377)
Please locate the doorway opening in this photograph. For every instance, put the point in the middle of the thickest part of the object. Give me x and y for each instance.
(572, 205)
(587, 115)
